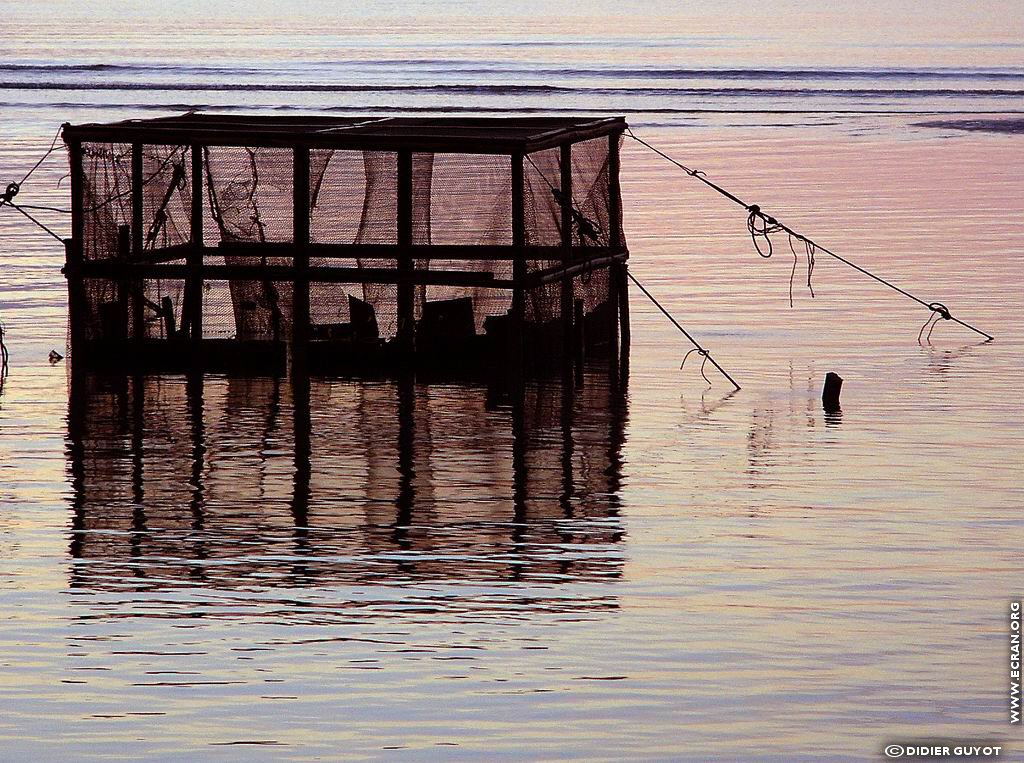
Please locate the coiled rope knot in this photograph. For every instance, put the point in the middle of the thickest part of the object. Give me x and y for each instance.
(939, 311)
(760, 225)
(10, 193)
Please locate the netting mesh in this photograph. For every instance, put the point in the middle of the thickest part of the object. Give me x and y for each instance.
(461, 200)
(149, 306)
(106, 197)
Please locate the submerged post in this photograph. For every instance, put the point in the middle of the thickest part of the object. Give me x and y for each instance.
(619, 279)
(618, 312)
(830, 393)
(406, 293)
(300, 255)
(74, 253)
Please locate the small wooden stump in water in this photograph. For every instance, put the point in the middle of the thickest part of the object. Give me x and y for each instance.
(830, 394)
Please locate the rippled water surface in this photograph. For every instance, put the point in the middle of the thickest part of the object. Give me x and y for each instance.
(215, 568)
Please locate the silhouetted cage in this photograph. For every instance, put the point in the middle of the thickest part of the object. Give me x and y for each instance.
(220, 239)
(228, 481)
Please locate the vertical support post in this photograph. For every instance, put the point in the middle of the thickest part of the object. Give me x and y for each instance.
(620, 282)
(406, 293)
(74, 254)
(565, 162)
(518, 264)
(616, 275)
(579, 338)
(137, 284)
(193, 310)
(300, 237)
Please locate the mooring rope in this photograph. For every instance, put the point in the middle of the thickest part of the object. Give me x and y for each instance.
(761, 226)
(697, 347)
(13, 188)
(3, 356)
(583, 223)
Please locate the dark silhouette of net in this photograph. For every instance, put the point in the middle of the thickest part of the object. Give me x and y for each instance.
(458, 200)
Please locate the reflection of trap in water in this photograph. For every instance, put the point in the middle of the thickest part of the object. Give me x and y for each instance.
(220, 240)
(230, 482)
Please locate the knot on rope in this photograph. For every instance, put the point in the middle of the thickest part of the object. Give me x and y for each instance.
(10, 193)
(761, 226)
(941, 309)
(703, 354)
(939, 312)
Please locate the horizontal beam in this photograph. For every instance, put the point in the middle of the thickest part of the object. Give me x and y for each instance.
(165, 254)
(114, 269)
(558, 273)
(394, 251)
(350, 137)
(578, 134)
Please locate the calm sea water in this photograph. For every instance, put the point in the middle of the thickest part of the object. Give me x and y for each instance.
(665, 571)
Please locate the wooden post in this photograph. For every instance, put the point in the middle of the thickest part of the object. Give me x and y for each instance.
(615, 274)
(578, 338)
(74, 254)
(406, 292)
(623, 288)
(518, 264)
(125, 284)
(830, 393)
(565, 161)
(137, 285)
(193, 308)
(167, 313)
(300, 238)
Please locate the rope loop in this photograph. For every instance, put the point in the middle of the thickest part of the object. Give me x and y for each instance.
(760, 225)
(704, 354)
(699, 350)
(11, 192)
(941, 309)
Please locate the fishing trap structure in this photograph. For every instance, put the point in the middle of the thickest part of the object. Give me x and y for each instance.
(234, 242)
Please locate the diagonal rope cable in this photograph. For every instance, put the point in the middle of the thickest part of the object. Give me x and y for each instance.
(50, 150)
(38, 224)
(761, 225)
(697, 347)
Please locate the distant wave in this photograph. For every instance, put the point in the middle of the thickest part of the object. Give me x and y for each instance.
(503, 109)
(751, 74)
(1013, 126)
(500, 67)
(520, 89)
